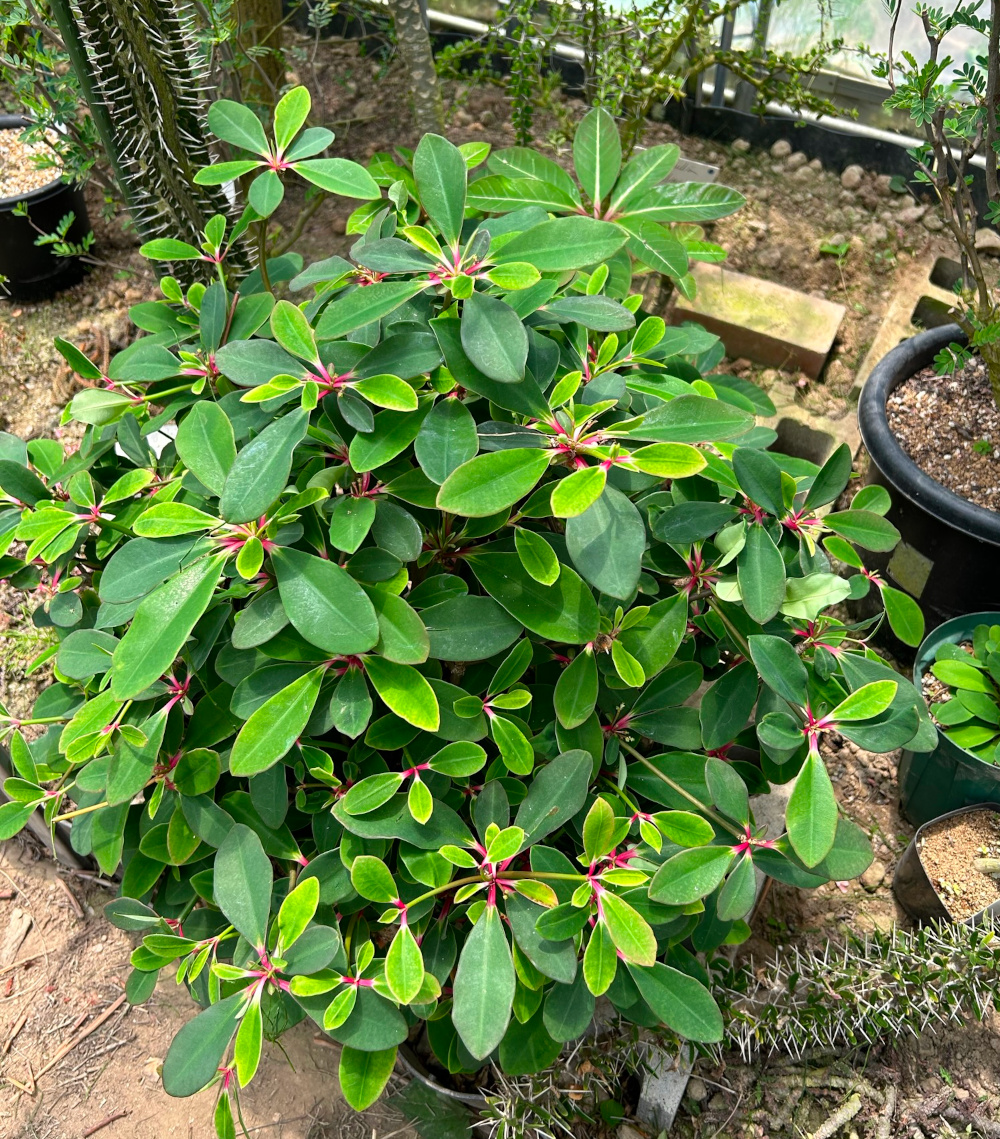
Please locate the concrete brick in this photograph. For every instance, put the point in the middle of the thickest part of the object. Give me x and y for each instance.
(915, 294)
(762, 321)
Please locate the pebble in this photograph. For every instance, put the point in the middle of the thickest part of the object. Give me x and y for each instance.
(796, 160)
(804, 174)
(883, 183)
(816, 165)
(781, 149)
(852, 177)
(697, 1090)
(911, 215)
(874, 876)
(770, 257)
(933, 223)
(741, 146)
(988, 241)
(874, 232)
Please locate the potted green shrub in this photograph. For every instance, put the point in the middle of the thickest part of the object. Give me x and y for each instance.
(958, 670)
(376, 682)
(943, 484)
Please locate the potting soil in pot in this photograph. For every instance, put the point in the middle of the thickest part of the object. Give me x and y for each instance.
(948, 851)
(19, 171)
(950, 427)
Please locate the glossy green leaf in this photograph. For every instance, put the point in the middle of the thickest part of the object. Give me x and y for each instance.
(272, 730)
(493, 481)
(242, 883)
(483, 992)
(811, 814)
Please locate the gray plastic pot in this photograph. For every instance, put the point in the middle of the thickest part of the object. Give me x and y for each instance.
(949, 777)
(914, 889)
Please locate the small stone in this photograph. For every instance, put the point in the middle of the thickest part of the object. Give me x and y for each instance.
(852, 177)
(627, 1131)
(911, 215)
(368, 109)
(697, 1090)
(781, 149)
(759, 228)
(961, 1093)
(933, 223)
(804, 174)
(874, 876)
(718, 1102)
(796, 160)
(770, 257)
(988, 241)
(874, 232)
(883, 184)
(741, 146)
(816, 165)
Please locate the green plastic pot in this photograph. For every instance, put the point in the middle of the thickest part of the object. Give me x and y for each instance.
(949, 777)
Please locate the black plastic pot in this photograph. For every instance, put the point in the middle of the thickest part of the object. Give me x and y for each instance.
(914, 889)
(33, 271)
(947, 558)
(949, 777)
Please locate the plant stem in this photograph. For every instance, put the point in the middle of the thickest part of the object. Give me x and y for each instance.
(707, 811)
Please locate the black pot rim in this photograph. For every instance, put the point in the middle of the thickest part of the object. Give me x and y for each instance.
(8, 122)
(928, 494)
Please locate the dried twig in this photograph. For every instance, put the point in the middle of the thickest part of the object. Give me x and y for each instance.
(979, 1122)
(104, 1123)
(19, 1024)
(71, 897)
(70, 1044)
(20, 961)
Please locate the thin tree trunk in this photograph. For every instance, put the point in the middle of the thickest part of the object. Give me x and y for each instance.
(263, 73)
(415, 48)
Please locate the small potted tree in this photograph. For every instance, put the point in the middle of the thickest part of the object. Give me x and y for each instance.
(376, 682)
(929, 411)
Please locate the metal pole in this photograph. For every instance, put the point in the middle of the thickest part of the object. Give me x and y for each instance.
(725, 44)
(745, 93)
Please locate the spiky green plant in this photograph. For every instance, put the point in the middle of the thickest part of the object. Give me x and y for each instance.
(143, 76)
(877, 987)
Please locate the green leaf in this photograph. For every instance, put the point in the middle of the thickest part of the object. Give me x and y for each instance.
(905, 616)
(297, 911)
(447, 439)
(161, 625)
(238, 125)
(737, 896)
(266, 193)
(515, 751)
(440, 173)
(537, 556)
(831, 479)
(364, 306)
(686, 202)
(691, 875)
(405, 692)
(958, 674)
(484, 986)
(811, 814)
(249, 1039)
(458, 759)
(404, 967)
(597, 154)
(350, 521)
(493, 481)
(868, 530)
(565, 612)
(260, 471)
(642, 171)
(394, 432)
(630, 932)
(600, 960)
(568, 1009)
(599, 829)
(387, 391)
(681, 1002)
(692, 419)
(290, 116)
(168, 519)
(727, 706)
(292, 330)
(363, 1075)
(195, 1053)
(684, 828)
(578, 491)
(371, 792)
(324, 603)
(576, 690)
(271, 731)
(168, 249)
(759, 477)
(494, 338)
(654, 245)
(565, 243)
(206, 444)
(760, 572)
(780, 667)
(469, 628)
(339, 176)
(242, 884)
(607, 542)
(866, 702)
(555, 795)
(371, 878)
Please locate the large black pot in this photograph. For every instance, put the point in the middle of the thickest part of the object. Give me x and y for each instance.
(33, 271)
(947, 558)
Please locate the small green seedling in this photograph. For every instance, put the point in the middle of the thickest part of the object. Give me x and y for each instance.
(970, 716)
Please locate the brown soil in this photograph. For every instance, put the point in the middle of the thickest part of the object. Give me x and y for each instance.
(950, 427)
(948, 851)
